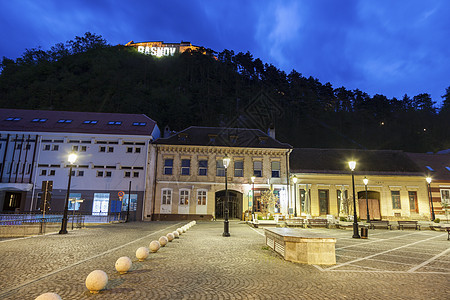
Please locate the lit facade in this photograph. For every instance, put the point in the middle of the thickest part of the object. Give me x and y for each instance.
(112, 153)
(396, 185)
(190, 177)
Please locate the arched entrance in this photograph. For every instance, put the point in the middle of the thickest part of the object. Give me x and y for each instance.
(234, 204)
(374, 205)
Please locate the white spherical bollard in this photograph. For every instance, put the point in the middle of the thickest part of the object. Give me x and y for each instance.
(195, 222)
(184, 229)
(180, 231)
(176, 234)
(170, 236)
(163, 241)
(123, 264)
(142, 253)
(96, 281)
(154, 246)
(48, 296)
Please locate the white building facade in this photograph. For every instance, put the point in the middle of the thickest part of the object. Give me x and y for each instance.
(112, 156)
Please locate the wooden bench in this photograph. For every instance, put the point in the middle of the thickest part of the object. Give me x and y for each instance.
(408, 224)
(302, 246)
(318, 223)
(380, 224)
(295, 222)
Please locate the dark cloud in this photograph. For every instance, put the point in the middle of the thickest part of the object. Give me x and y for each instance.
(386, 47)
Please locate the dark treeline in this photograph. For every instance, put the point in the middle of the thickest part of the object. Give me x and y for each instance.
(217, 89)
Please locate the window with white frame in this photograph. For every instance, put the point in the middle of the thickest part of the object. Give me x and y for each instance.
(185, 166)
(220, 168)
(184, 197)
(166, 196)
(445, 198)
(168, 166)
(276, 166)
(202, 167)
(239, 168)
(201, 197)
(257, 168)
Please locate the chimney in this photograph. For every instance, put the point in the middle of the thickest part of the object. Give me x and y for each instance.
(166, 131)
(271, 131)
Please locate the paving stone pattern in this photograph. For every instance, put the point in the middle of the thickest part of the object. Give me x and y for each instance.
(202, 264)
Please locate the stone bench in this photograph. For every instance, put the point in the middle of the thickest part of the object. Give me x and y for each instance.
(295, 222)
(255, 223)
(318, 223)
(301, 245)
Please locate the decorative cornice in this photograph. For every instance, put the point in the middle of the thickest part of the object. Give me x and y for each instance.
(221, 150)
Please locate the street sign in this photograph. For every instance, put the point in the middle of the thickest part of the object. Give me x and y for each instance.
(121, 194)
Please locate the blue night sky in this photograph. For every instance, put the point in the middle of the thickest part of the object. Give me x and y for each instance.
(385, 46)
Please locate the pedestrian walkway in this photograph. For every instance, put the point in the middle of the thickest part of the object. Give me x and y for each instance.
(204, 265)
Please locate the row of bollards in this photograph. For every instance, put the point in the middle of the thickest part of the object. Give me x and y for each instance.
(98, 279)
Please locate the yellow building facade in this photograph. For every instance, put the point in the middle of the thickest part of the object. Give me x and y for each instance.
(396, 187)
(190, 175)
(390, 197)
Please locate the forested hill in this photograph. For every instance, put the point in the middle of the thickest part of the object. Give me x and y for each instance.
(219, 89)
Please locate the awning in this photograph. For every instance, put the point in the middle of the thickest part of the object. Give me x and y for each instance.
(24, 187)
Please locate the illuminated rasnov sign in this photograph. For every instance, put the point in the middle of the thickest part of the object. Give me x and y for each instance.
(157, 51)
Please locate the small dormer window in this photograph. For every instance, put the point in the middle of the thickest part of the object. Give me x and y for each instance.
(90, 122)
(430, 168)
(182, 137)
(233, 139)
(139, 123)
(262, 140)
(65, 121)
(448, 168)
(114, 123)
(212, 138)
(38, 120)
(13, 119)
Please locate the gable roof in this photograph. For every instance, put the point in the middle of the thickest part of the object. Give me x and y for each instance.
(433, 165)
(75, 122)
(222, 137)
(309, 160)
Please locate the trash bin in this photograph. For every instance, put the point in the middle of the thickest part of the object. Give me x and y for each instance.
(364, 232)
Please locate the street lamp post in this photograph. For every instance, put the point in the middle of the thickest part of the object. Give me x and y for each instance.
(366, 181)
(295, 195)
(352, 165)
(226, 225)
(253, 195)
(431, 198)
(72, 159)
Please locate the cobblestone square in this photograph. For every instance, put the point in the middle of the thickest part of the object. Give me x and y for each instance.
(202, 264)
